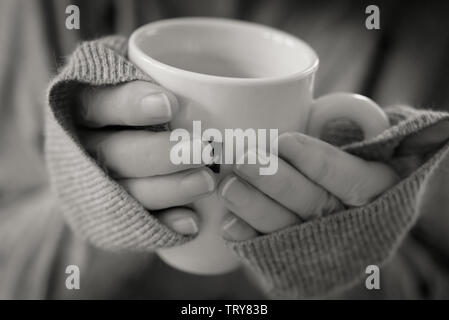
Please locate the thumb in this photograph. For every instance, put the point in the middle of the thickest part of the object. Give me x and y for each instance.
(180, 220)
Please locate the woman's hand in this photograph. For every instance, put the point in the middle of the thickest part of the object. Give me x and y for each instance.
(112, 122)
(313, 179)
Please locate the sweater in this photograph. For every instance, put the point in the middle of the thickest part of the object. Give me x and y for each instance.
(318, 258)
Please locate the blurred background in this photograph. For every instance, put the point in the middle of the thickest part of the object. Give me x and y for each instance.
(406, 61)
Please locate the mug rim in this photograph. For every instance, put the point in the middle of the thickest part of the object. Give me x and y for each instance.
(133, 48)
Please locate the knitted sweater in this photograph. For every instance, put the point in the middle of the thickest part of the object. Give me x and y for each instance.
(311, 259)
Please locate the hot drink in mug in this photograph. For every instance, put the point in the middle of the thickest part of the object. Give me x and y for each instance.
(230, 74)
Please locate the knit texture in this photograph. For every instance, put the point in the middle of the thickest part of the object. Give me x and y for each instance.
(95, 206)
(308, 260)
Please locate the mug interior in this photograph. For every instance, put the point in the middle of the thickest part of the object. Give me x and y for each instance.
(225, 48)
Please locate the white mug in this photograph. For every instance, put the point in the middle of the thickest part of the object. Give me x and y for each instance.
(233, 74)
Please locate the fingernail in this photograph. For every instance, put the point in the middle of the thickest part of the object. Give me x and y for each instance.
(224, 189)
(158, 106)
(289, 141)
(297, 137)
(185, 225)
(229, 226)
(285, 136)
(235, 192)
(199, 182)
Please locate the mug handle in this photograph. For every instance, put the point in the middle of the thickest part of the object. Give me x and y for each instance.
(355, 107)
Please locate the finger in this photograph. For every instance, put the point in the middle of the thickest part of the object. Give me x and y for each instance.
(251, 205)
(136, 103)
(288, 187)
(236, 229)
(180, 220)
(137, 154)
(160, 192)
(353, 180)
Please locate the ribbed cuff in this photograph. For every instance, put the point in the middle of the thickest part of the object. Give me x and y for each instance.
(324, 256)
(94, 205)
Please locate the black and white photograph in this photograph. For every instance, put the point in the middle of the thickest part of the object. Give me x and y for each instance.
(224, 150)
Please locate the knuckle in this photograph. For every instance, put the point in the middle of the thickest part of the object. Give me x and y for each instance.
(323, 169)
(125, 101)
(136, 155)
(331, 204)
(265, 222)
(315, 206)
(85, 101)
(97, 146)
(321, 204)
(321, 163)
(119, 153)
(285, 188)
(147, 153)
(129, 93)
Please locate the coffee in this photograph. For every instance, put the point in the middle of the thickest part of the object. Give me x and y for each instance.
(208, 63)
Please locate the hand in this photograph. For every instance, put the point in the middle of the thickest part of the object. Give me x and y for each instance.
(112, 130)
(313, 179)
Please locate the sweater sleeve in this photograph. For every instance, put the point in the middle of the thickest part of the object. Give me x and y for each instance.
(308, 260)
(94, 205)
(325, 256)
